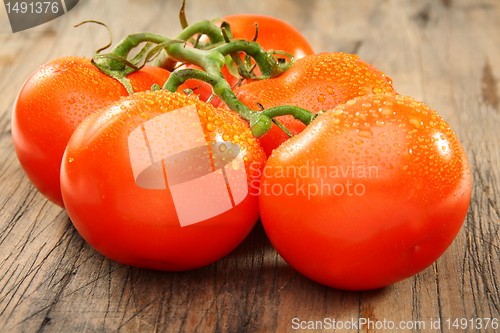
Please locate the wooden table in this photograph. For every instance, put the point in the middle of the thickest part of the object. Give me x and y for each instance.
(445, 53)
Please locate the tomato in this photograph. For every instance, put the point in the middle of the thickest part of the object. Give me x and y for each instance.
(134, 179)
(316, 82)
(372, 192)
(274, 34)
(52, 102)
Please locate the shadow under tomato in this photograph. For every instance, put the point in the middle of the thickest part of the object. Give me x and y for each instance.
(246, 291)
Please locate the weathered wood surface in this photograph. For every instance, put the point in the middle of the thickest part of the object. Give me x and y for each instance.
(445, 53)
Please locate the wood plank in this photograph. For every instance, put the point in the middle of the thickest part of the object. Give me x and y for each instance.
(445, 53)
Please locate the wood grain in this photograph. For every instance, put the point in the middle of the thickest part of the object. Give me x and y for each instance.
(445, 53)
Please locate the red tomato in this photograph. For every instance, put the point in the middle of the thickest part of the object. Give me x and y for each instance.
(132, 175)
(52, 102)
(372, 192)
(317, 82)
(274, 34)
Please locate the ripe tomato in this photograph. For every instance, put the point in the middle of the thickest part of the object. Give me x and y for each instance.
(274, 34)
(317, 82)
(372, 192)
(52, 102)
(134, 179)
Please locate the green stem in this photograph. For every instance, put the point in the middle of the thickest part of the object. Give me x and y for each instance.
(131, 41)
(211, 60)
(305, 116)
(116, 65)
(219, 85)
(260, 122)
(202, 28)
(283, 128)
(266, 63)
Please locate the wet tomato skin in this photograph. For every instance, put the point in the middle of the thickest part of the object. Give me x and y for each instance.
(50, 105)
(372, 192)
(137, 226)
(315, 82)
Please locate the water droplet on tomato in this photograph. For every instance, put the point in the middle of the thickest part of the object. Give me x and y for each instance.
(386, 111)
(321, 98)
(415, 122)
(210, 127)
(361, 116)
(365, 134)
